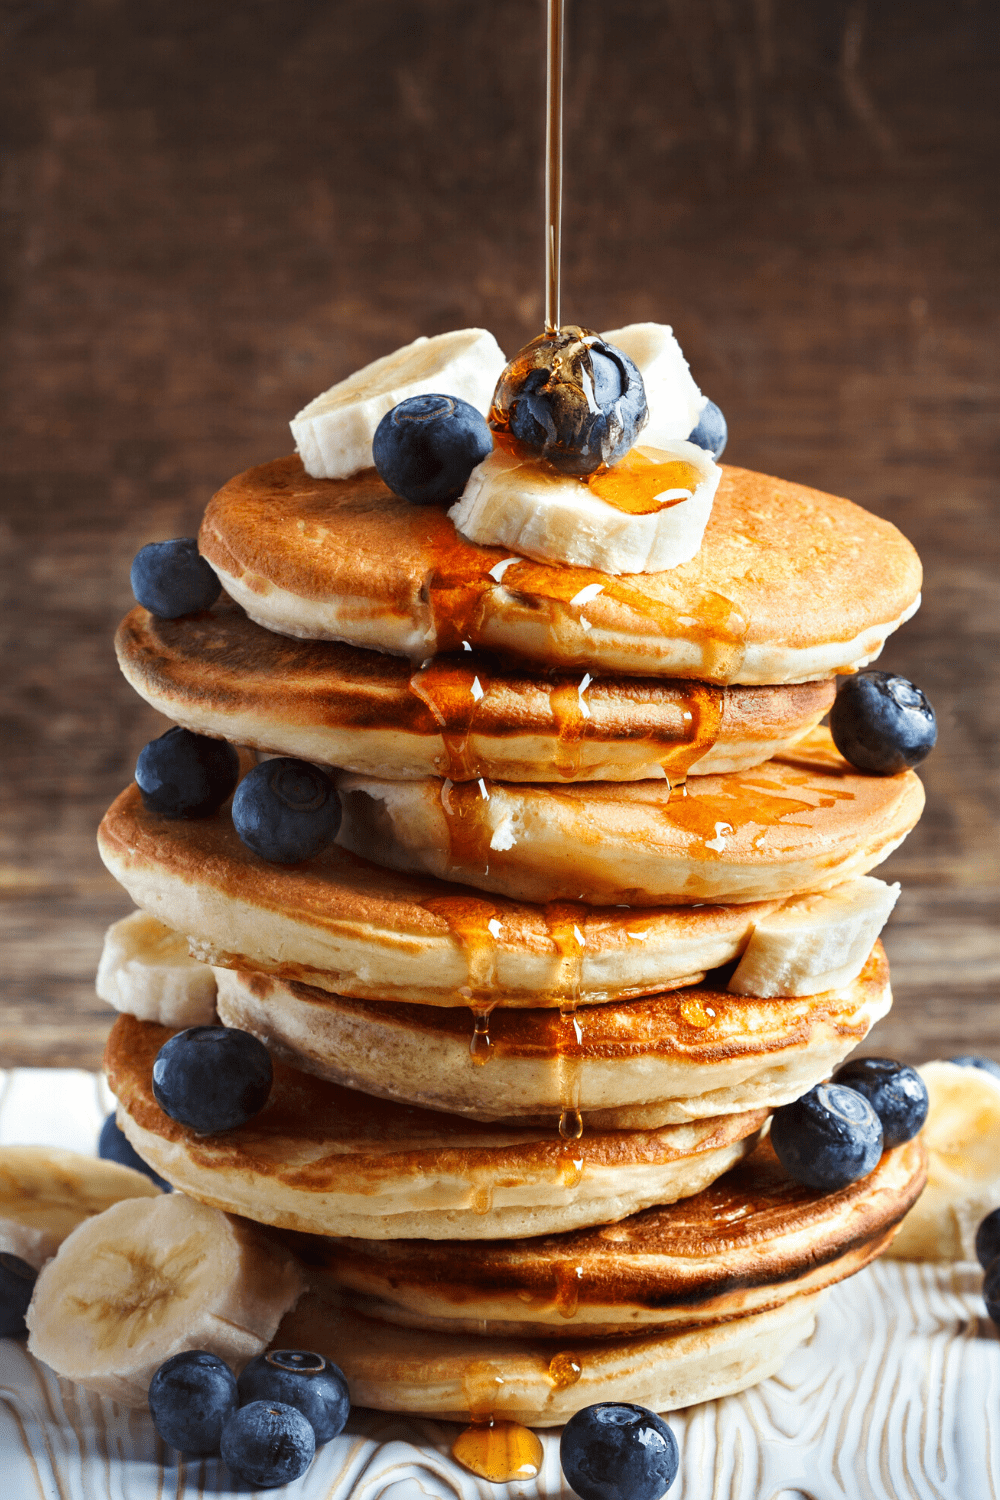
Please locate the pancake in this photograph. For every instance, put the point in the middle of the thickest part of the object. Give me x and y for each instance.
(789, 584)
(801, 822)
(330, 1160)
(751, 1241)
(462, 716)
(686, 1055)
(351, 927)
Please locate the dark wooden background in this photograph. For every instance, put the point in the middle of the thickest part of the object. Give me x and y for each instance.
(215, 208)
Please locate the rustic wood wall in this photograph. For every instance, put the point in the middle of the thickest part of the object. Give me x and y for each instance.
(215, 208)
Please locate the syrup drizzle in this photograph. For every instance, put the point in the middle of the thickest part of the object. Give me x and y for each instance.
(636, 483)
(453, 692)
(564, 1370)
(495, 1449)
(476, 926)
(554, 33)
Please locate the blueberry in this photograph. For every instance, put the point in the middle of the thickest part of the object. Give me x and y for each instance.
(896, 1093)
(286, 810)
(268, 1443)
(571, 398)
(17, 1282)
(185, 775)
(711, 431)
(991, 1291)
(988, 1240)
(114, 1145)
(616, 1451)
(212, 1078)
(303, 1380)
(881, 723)
(191, 1398)
(970, 1060)
(828, 1138)
(171, 579)
(427, 446)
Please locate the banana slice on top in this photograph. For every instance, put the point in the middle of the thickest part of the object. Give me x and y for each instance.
(147, 971)
(46, 1192)
(673, 400)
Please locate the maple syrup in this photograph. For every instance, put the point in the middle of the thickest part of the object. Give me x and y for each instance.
(554, 36)
(453, 691)
(564, 1370)
(498, 1450)
(476, 925)
(635, 483)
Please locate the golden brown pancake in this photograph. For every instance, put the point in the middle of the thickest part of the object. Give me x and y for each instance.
(804, 821)
(685, 1055)
(462, 716)
(325, 1159)
(789, 584)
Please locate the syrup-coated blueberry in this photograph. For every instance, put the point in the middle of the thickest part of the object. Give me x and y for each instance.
(988, 1240)
(286, 810)
(991, 1291)
(711, 432)
(828, 1138)
(212, 1078)
(881, 723)
(171, 579)
(984, 1064)
(301, 1379)
(17, 1282)
(896, 1093)
(268, 1443)
(185, 775)
(616, 1451)
(114, 1145)
(191, 1398)
(427, 446)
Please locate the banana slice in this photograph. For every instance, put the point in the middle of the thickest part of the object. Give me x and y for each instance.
(673, 400)
(333, 434)
(152, 1277)
(815, 943)
(46, 1192)
(515, 501)
(962, 1135)
(147, 971)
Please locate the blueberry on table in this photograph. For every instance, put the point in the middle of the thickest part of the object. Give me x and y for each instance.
(984, 1064)
(427, 446)
(267, 1443)
(616, 1451)
(17, 1282)
(171, 579)
(828, 1138)
(185, 775)
(896, 1093)
(212, 1078)
(988, 1240)
(301, 1379)
(191, 1398)
(991, 1291)
(882, 723)
(286, 810)
(114, 1145)
(711, 432)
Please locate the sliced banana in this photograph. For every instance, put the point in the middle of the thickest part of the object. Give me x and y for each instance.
(152, 1277)
(147, 971)
(46, 1192)
(673, 400)
(334, 432)
(962, 1135)
(815, 943)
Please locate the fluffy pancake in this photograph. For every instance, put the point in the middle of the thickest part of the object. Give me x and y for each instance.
(463, 716)
(789, 584)
(686, 1055)
(326, 1159)
(801, 822)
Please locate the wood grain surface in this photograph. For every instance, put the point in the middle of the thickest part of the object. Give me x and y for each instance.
(216, 208)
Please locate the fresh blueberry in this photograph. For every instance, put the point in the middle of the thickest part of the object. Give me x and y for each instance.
(896, 1093)
(988, 1240)
(991, 1291)
(301, 1379)
(17, 1282)
(171, 579)
(571, 398)
(616, 1451)
(984, 1064)
(191, 1398)
(286, 810)
(711, 431)
(427, 446)
(828, 1138)
(268, 1443)
(212, 1078)
(881, 723)
(114, 1145)
(185, 775)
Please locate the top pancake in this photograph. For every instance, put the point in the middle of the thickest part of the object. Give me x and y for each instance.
(789, 584)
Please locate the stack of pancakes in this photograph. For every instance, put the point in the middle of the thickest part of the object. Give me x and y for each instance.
(518, 1125)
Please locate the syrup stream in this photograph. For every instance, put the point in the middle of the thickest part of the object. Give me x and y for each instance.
(553, 159)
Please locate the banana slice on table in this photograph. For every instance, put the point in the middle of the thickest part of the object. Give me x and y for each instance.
(333, 434)
(150, 1278)
(673, 400)
(815, 943)
(46, 1192)
(147, 971)
(962, 1135)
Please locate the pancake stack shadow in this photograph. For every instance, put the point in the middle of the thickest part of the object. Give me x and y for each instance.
(599, 904)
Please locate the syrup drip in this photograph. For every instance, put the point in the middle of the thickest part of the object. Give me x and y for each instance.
(567, 1297)
(476, 926)
(499, 1451)
(466, 807)
(555, 30)
(570, 712)
(634, 484)
(453, 691)
(564, 1370)
(697, 1014)
(482, 1200)
(480, 1049)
